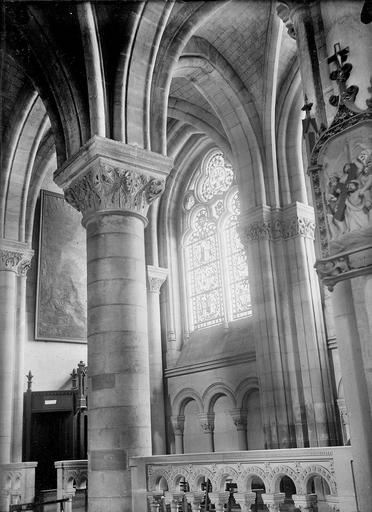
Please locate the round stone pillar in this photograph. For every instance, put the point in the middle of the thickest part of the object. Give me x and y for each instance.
(14, 258)
(112, 184)
(155, 278)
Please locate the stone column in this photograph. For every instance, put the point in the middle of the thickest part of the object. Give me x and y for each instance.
(19, 382)
(258, 234)
(155, 278)
(344, 419)
(178, 424)
(305, 502)
(273, 501)
(207, 426)
(295, 386)
(195, 499)
(239, 417)
(174, 499)
(154, 500)
(112, 184)
(14, 258)
(355, 389)
(219, 499)
(245, 500)
(308, 366)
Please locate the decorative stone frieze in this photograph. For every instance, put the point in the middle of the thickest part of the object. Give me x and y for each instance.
(280, 224)
(156, 276)
(242, 471)
(15, 257)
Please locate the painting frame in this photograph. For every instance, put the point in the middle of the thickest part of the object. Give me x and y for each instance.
(61, 303)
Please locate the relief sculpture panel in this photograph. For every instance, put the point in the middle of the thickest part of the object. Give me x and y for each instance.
(61, 305)
(347, 189)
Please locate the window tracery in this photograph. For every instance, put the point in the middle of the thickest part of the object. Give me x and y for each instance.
(215, 262)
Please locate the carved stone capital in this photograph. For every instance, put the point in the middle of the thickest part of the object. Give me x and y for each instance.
(207, 422)
(109, 176)
(289, 222)
(173, 498)
(239, 417)
(15, 257)
(219, 499)
(178, 424)
(273, 501)
(155, 278)
(195, 498)
(113, 188)
(305, 502)
(245, 499)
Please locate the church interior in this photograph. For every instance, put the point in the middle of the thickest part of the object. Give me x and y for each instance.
(186, 255)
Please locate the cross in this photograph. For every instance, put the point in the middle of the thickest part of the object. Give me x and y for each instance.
(307, 107)
(340, 56)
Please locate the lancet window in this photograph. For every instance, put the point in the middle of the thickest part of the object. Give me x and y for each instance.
(215, 264)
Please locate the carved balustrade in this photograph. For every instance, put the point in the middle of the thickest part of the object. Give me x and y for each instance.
(71, 476)
(17, 484)
(162, 478)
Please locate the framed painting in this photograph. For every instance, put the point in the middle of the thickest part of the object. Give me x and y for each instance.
(61, 291)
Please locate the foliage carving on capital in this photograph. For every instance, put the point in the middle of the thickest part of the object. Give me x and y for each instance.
(113, 188)
(279, 229)
(207, 422)
(155, 278)
(15, 261)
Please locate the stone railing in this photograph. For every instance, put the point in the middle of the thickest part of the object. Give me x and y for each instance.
(322, 479)
(17, 484)
(71, 477)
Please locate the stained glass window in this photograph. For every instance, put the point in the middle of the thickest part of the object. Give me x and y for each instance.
(204, 273)
(237, 265)
(215, 261)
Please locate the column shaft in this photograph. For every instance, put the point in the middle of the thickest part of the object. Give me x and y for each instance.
(356, 391)
(155, 280)
(119, 407)
(19, 374)
(7, 325)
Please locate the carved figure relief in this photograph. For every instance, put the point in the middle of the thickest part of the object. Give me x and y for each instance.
(347, 190)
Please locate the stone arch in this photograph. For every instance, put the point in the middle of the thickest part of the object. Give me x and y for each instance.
(26, 135)
(244, 389)
(182, 398)
(213, 392)
(251, 473)
(317, 470)
(276, 475)
(223, 474)
(216, 79)
(154, 477)
(202, 120)
(289, 139)
(170, 49)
